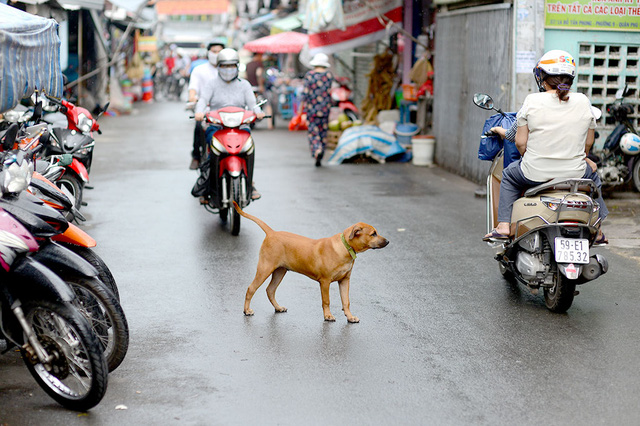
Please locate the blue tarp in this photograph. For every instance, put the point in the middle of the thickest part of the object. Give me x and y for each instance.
(368, 140)
(29, 56)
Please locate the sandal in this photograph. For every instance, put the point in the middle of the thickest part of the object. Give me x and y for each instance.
(318, 156)
(495, 235)
(601, 241)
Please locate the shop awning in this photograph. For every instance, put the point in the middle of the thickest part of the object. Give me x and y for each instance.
(192, 7)
(29, 56)
(362, 25)
(82, 4)
(290, 23)
(287, 42)
(128, 5)
(73, 4)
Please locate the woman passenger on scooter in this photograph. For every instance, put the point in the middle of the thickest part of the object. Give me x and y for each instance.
(555, 133)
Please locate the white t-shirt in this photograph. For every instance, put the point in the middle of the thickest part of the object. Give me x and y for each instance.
(200, 75)
(557, 135)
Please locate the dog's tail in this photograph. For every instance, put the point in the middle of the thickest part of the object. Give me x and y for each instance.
(260, 223)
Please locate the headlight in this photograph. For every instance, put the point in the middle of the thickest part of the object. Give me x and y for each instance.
(232, 119)
(16, 178)
(551, 203)
(84, 123)
(85, 151)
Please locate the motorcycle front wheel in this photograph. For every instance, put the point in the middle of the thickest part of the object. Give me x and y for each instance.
(74, 185)
(76, 376)
(105, 315)
(234, 216)
(104, 273)
(560, 297)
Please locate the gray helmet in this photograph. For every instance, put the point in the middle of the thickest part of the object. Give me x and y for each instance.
(228, 56)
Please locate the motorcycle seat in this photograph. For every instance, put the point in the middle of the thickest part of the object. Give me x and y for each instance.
(562, 184)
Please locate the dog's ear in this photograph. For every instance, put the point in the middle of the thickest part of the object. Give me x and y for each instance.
(355, 232)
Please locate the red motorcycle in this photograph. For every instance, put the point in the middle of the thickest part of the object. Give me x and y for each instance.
(227, 172)
(341, 96)
(75, 139)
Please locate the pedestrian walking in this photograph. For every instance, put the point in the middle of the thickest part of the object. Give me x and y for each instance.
(316, 102)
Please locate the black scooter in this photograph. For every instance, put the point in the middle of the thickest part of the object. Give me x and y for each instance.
(616, 164)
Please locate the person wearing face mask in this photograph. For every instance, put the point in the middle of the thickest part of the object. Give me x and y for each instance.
(225, 90)
(200, 75)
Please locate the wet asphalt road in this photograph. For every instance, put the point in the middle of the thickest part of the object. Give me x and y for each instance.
(442, 338)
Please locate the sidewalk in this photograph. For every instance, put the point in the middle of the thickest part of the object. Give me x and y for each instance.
(622, 226)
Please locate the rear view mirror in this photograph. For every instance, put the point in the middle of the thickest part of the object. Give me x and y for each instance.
(482, 100)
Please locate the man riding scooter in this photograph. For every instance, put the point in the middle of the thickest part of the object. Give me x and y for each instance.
(226, 90)
(200, 75)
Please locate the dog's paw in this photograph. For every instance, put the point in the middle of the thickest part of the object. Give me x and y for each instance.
(281, 309)
(248, 312)
(353, 319)
(329, 318)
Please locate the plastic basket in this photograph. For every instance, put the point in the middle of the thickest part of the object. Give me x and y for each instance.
(409, 92)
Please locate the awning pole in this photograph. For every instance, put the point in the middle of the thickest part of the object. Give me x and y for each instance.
(406, 54)
(80, 46)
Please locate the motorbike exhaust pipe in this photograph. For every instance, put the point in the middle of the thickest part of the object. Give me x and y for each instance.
(597, 266)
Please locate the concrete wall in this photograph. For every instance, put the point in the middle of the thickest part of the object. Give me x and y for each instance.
(473, 54)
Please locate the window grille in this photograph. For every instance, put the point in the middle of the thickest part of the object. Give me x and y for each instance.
(603, 69)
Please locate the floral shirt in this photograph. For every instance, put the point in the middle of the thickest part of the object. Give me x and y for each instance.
(316, 96)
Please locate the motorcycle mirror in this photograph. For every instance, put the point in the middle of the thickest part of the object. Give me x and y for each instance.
(483, 100)
(104, 108)
(262, 102)
(37, 112)
(9, 137)
(597, 112)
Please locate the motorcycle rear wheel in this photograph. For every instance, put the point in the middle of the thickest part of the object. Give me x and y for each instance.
(635, 174)
(351, 114)
(105, 315)
(77, 376)
(559, 298)
(234, 216)
(506, 272)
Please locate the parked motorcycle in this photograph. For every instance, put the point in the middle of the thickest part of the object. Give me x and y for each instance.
(38, 316)
(94, 299)
(342, 97)
(75, 139)
(226, 174)
(554, 226)
(618, 161)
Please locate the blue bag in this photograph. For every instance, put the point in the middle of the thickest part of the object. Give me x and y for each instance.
(490, 146)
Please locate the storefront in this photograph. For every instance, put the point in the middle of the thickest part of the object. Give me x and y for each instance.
(604, 37)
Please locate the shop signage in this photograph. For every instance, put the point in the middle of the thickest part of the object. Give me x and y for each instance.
(363, 24)
(602, 15)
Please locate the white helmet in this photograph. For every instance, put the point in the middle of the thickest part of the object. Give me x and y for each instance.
(228, 56)
(225, 58)
(554, 62)
(630, 144)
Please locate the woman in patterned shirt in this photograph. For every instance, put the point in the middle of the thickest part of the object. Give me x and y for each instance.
(316, 102)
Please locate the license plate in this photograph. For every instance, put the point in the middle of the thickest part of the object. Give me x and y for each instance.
(570, 250)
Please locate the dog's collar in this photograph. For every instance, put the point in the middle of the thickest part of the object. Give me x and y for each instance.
(350, 249)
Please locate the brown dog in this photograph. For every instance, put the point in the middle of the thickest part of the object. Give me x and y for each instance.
(325, 260)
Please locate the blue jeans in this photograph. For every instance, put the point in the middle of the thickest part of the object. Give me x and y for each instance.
(514, 182)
